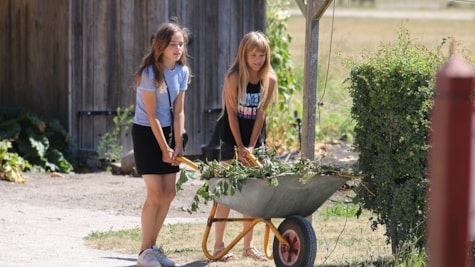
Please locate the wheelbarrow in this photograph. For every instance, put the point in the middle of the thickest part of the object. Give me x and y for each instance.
(295, 242)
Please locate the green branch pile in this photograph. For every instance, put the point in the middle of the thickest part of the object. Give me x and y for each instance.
(236, 175)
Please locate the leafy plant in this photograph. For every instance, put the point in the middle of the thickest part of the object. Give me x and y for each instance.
(110, 145)
(42, 142)
(11, 164)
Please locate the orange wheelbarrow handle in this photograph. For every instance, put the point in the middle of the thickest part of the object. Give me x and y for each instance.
(188, 162)
(253, 160)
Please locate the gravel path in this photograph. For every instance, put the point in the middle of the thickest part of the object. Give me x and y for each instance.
(44, 221)
(33, 236)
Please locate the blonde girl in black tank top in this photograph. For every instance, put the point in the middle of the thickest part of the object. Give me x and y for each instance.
(249, 87)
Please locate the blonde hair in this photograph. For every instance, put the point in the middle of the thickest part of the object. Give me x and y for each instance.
(153, 58)
(254, 40)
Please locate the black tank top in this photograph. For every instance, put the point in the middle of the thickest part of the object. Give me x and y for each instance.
(247, 112)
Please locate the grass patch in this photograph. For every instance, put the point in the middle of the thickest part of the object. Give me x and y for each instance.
(342, 239)
(123, 241)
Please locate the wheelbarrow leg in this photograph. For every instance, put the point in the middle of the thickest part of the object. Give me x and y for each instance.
(204, 242)
(211, 220)
(270, 227)
(266, 243)
(253, 222)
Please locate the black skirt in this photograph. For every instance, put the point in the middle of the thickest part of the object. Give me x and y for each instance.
(147, 152)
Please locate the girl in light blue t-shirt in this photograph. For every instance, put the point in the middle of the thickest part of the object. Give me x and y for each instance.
(160, 82)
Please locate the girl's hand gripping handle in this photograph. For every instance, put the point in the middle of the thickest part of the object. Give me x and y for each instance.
(253, 160)
(188, 162)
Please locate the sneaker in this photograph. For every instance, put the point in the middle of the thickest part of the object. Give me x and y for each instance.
(148, 259)
(164, 261)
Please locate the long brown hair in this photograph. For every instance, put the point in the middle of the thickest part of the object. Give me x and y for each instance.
(153, 58)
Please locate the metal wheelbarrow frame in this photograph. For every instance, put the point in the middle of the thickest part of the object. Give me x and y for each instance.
(294, 240)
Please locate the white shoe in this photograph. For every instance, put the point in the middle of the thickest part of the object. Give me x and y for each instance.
(164, 261)
(148, 258)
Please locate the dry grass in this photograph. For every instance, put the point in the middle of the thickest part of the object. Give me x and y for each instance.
(341, 241)
(349, 37)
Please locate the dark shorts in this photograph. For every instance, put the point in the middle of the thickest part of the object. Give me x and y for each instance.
(227, 151)
(147, 152)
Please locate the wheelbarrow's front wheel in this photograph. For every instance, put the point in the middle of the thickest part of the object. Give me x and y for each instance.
(302, 250)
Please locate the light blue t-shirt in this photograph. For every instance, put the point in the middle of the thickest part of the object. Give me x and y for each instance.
(177, 80)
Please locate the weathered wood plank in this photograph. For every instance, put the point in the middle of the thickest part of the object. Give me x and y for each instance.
(60, 58)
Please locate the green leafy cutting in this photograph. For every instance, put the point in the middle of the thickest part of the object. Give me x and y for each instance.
(236, 175)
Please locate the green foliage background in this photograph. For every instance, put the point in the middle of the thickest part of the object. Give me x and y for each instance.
(282, 132)
(42, 142)
(392, 93)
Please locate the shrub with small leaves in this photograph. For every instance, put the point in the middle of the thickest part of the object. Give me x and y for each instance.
(392, 93)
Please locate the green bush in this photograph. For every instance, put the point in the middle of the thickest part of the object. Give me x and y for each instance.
(392, 93)
(44, 143)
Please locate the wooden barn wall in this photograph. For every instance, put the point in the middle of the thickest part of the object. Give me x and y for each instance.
(75, 59)
(217, 26)
(34, 56)
(116, 34)
(108, 40)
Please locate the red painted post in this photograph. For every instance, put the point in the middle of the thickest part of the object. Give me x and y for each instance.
(449, 166)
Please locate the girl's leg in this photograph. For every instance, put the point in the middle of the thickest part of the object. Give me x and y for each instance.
(249, 249)
(250, 235)
(160, 193)
(168, 194)
(221, 212)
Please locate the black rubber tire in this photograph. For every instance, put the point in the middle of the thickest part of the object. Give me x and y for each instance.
(299, 233)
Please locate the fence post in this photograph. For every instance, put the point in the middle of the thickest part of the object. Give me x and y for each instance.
(449, 166)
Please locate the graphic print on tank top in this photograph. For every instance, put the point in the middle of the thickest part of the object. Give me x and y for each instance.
(248, 108)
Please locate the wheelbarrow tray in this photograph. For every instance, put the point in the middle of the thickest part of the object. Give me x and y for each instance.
(259, 199)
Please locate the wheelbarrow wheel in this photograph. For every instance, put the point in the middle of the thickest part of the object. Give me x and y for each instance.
(299, 233)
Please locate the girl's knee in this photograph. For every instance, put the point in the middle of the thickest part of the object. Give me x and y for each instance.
(162, 197)
(169, 196)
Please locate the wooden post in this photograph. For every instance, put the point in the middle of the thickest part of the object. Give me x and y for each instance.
(312, 10)
(310, 89)
(449, 166)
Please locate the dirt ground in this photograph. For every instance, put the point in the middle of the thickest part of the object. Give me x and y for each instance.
(121, 194)
(50, 215)
(98, 191)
